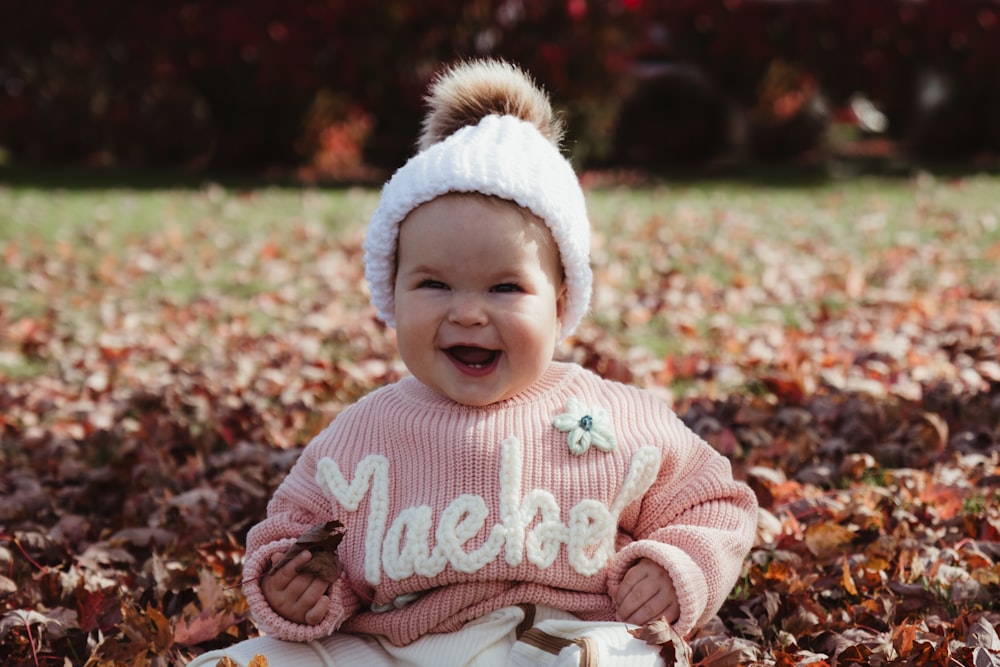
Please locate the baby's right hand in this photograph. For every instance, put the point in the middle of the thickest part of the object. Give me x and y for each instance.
(297, 596)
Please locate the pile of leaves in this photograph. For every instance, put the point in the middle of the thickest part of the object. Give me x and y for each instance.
(144, 425)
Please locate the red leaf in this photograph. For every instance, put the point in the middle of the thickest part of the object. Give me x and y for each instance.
(99, 609)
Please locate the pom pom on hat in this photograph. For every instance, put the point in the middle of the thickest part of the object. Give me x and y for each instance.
(490, 130)
(468, 92)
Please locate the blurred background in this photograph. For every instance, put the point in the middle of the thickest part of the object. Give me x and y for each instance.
(331, 89)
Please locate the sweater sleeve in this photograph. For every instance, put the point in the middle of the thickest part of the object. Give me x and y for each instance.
(696, 522)
(297, 505)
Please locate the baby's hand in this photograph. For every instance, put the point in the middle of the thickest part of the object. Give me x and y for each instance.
(645, 594)
(297, 596)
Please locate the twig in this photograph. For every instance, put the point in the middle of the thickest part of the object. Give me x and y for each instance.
(31, 639)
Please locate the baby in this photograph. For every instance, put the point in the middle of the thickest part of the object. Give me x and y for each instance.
(498, 507)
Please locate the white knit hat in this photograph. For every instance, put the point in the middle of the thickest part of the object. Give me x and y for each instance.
(502, 156)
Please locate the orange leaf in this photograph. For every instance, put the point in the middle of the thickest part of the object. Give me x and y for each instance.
(903, 637)
(846, 580)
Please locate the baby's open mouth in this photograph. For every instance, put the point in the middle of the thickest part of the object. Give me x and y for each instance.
(473, 357)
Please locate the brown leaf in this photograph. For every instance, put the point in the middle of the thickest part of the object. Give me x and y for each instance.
(675, 651)
(257, 661)
(904, 636)
(322, 542)
(858, 654)
(827, 539)
(721, 651)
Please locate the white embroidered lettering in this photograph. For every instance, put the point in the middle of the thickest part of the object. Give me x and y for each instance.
(460, 522)
(544, 539)
(591, 537)
(510, 492)
(372, 471)
(642, 473)
(404, 549)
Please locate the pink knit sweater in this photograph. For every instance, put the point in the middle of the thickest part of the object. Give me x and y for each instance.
(453, 511)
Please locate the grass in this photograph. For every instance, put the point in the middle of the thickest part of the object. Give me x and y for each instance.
(679, 263)
(117, 216)
(740, 235)
(209, 230)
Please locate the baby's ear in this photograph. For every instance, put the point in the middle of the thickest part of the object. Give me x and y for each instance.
(562, 296)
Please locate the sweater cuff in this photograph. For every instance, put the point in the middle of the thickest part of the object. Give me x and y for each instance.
(688, 579)
(272, 623)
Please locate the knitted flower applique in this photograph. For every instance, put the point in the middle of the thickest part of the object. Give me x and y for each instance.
(585, 426)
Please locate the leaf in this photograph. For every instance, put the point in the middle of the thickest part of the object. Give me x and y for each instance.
(100, 609)
(858, 654)
(190, 631)
(982, 634)
(675, 651)
(322, 542)
(982, 657)
(19, 618)
(725, 651)
(257, 661)
(846, 580)
(7, 586)
(827, 539)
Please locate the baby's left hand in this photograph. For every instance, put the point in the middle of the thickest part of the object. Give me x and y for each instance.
(646, 593)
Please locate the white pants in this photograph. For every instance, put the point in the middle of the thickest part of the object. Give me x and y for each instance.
(547, 637)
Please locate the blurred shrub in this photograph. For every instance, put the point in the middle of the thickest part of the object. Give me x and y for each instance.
(931, 66)
(335, 85)
(246, 83)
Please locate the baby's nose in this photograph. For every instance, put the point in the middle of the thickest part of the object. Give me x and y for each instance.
(467, 310)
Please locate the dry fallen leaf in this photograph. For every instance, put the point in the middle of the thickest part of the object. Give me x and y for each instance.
(827, 539)
(725, 652)
(257, 661)
(982, 634)
(321, 541)
(138, 447)
(675, 651)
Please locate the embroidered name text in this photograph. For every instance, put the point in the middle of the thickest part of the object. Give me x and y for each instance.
(403, 548)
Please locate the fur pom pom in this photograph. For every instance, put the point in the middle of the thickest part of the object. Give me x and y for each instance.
(467, 92)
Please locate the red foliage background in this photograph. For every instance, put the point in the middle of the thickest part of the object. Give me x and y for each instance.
(250, 83)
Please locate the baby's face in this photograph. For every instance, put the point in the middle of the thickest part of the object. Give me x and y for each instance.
(478, 297)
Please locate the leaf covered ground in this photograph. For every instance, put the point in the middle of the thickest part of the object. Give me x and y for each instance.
(164, 355)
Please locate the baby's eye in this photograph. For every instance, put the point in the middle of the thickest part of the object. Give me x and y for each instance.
(432, 284)
(506, 288)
